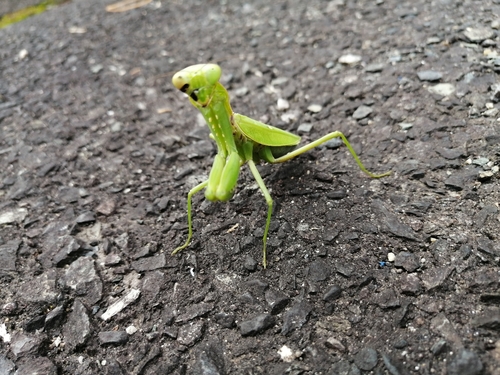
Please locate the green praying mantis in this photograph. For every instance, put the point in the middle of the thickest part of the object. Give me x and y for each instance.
(240, 140)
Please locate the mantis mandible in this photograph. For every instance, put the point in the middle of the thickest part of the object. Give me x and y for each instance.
(240, 140)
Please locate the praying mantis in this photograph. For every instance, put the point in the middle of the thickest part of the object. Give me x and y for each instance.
(240, 140)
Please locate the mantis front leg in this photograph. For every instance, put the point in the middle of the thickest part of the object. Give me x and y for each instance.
(220, 186)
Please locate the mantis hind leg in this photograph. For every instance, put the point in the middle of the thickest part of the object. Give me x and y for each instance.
(268, 156)
(269, 202)
(192, 192)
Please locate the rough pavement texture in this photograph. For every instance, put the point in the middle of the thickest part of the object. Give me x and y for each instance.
(98, 151)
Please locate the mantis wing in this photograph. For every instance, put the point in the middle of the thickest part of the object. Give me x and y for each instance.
(264, 134)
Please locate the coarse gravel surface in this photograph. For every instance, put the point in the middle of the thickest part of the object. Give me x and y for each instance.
(98, 150)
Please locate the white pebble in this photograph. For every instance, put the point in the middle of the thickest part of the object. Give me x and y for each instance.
(315, 108)
(443, 89)
(282, 105)
(349, 59)
(22, 54)
(131, 330)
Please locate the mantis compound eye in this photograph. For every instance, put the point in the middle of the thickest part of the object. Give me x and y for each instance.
(212, 73)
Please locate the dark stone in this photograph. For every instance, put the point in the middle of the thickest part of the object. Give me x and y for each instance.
(455, 182)
(407, 260)
(450, 153)
(195, 311)
(429, 75)
(149, 263)
(410, 284)
(113, 337)
(210, 359)
(434, 278)
(8, 255)
(400, 344)
(256, 325)
(54, 317)
(82, 277)
(190, 334)
(318, 271)
(391, 223)
(486, 212)
(77, 329)
(333, 293)
(41, 289)
(86, 217)
(394, 366)
(35, 323)
(366, 359)
(439, 347)
(250, 263)
(466, 362)
(337, 194)
(344, 367)
(295, 317)
(40, 365)
(488, 247)
(489, 319)
(225, 320)
(25, 345)
(257, 285)
(68, 250)
(277, 300)
(387, 298)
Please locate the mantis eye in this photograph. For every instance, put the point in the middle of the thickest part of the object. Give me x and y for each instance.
(212, 73)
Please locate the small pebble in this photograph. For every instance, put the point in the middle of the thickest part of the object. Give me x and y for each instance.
(433, 40)
(304, 128)
(350, 59)
(314, 108)
(131, 330)
(493, 112)
(443, 89)
(361, 112)
(335, 344)
(477, 35)
(406, 125)
(241, 91)
(288, 355)
(282, 105)
(429, 75)
(374, 68)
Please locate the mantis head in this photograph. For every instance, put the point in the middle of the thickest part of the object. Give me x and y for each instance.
(197, 81)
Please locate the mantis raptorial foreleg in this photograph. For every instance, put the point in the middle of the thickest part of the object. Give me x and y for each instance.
(239, 140)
